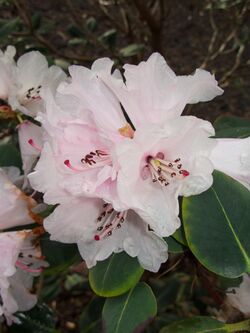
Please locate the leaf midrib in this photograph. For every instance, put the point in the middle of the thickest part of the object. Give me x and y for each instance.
(124, 307)
(105, 274)
(245, 255)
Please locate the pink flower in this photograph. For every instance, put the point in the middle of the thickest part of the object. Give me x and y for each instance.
(21, 261)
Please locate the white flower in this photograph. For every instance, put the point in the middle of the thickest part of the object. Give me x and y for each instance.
(240, 297)
(20, 262)
(99, 231)
(6, 72)
(153, 93)
(159, 164)
(21, 83)
(15, 206)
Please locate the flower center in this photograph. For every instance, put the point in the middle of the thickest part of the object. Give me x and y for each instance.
(28, 262)
(163, 171)
(33, 93)
(93, 159)
(108, 221)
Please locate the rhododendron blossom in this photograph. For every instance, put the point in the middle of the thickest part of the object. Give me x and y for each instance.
(21, 261)
(21, 82)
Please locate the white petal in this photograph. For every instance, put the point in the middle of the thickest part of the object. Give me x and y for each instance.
(240, 297)
(70, 222)
(29, 131)
(199, 87)
(232, 156)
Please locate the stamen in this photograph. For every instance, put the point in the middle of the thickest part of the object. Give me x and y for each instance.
(109, 221)
(94, 159)
(70, 166)
(163, 171)
(24, 267)
(31, 142)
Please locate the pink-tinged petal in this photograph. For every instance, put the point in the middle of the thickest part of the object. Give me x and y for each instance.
(95, 96)
(15, 206)
(30, 142)
(19, 264)
(232, 156)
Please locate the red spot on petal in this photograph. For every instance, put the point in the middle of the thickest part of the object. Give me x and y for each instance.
(185, 173)
(97, 238)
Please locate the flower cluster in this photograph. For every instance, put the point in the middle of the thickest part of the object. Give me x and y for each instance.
(113, 152)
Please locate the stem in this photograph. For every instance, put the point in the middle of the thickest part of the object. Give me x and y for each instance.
(241, 326)
(19, 118)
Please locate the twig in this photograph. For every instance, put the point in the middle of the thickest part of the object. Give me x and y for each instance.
(153, 24)
(23, 11)
(224, 80)
(171, 268)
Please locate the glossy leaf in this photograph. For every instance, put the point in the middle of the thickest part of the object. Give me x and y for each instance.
(179, 236)
(174, 246)
(217, 226)
(91, 318)
(40, 319)
(223, 122)
(59, 255)
(196, 325)
(9, 155)
(115, 276)
(232, 127)
(131, 311)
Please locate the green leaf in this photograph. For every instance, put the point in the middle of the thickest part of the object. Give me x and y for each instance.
(232, 127)
(90, 319)
(10, 155)
(109, 37)
(124, 314)
(179, 236)
(115, 276)
(174, 246)
(233, 132)
(217, 226)
(59, 255)
(132, 49)
(223, 122)
(91, 24)
(8, 27)
(196, 325)
(40, 319)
